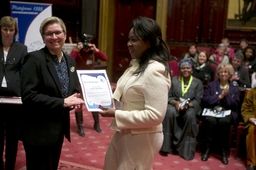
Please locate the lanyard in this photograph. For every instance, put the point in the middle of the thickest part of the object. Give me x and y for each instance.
(183, 90)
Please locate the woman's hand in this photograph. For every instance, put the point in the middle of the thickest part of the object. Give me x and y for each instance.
(252, 121)
(107, 112)
(176, 104)
(225, 92)
(74, 101)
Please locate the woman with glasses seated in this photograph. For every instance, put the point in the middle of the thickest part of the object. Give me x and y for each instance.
(180, 125)
(220, 95)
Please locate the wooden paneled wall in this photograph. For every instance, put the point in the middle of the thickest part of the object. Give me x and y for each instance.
(201, 22)
(188, 21)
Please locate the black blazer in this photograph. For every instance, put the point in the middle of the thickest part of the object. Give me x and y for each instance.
(11, 68)
(44, 118)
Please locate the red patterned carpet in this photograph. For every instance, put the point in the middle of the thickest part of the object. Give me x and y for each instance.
(87, 153)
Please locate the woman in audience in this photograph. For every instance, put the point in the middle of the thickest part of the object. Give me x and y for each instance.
(220, 95)
(220, 56)
(203, 70)
(243, 44)
(249, 117)
(229, 51)
(192, 52)
(249, 59)
(241, 77)
(180, 125)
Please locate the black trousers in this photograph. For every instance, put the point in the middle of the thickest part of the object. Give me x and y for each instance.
(43, 157)
(217, 130)
(9, 134)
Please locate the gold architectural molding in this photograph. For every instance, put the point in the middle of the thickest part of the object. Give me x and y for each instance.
(106, 31)
(161, 15)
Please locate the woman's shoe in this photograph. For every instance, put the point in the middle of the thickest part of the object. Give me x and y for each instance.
(205, 155)
(224, 158)
(163, 153)
(251, 167)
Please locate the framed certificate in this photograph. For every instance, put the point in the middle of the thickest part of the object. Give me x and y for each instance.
(96, 89)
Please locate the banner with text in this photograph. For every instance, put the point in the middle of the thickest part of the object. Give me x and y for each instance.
(29, 17)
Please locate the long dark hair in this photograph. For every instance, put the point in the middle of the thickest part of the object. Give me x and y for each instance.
(147, 29)
(252, 58)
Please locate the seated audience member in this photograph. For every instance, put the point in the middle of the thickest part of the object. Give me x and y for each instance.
(243, 44)
(203, 71)
(220, 56)
(192, 52)
(249, 116)
(180, 126)
(253, 80)
(249, 59)
(229, 51)
(85, 58)
(220, 94)
(241, 77)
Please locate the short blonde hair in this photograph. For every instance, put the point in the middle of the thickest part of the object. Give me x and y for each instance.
(8, 21)
(229, 67)
(51, 20)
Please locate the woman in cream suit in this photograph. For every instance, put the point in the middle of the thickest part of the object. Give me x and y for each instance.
(142, 92)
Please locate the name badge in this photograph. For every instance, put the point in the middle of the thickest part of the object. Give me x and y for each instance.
(88, 62)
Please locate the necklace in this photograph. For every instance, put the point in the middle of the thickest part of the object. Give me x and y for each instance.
(223, 87)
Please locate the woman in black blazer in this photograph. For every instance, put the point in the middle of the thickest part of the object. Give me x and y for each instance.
(49, 90)
(11, 57)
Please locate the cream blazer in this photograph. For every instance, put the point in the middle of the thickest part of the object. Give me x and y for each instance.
(144, 99)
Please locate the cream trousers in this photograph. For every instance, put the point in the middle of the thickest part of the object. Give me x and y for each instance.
(132, 152)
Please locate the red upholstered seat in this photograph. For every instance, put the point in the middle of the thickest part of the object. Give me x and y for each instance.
(239, 131)
(214, 66)
(208, 50)
(174, 66)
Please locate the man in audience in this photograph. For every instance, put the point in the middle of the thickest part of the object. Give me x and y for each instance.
(241, 77)
(86, 54)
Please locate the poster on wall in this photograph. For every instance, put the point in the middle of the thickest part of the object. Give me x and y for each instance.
(29, 16)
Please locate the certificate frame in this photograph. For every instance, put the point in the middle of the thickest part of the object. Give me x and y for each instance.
(96, 89)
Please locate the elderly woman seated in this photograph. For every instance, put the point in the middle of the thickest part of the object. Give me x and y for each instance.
(180, 125)
(221, 96)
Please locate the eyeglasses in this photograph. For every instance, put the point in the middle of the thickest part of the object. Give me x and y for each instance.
(4, 29)
(56, 33)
